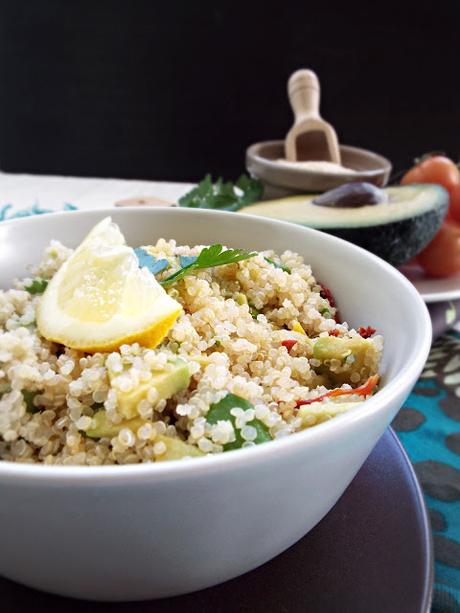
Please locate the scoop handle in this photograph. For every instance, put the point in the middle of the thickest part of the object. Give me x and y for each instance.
(303, 92)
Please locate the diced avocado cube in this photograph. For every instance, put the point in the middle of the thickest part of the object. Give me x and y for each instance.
(167, 383)
(317, 412)
(331, 347)
(172, 381)
(356, 349)
(102, 427)
(176, 449)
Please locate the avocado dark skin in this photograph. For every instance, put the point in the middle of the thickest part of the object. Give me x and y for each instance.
(398, 224)
(395, 242)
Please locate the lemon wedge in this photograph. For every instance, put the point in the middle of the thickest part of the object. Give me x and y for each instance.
(100, 299)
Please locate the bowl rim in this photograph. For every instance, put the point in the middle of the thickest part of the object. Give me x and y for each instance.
(253, 155)
(208, 465)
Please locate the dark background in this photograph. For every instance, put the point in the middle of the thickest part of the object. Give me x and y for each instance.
(173, 90)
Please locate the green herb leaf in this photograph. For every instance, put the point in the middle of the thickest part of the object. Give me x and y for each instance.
(252, 190)
(278, 265)
(224, 196)
(254, 312)
(212, 256)
(220, 411)
(37, 286)
(29, 400)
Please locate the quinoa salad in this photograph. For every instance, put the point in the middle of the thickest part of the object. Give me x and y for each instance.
(115, 355)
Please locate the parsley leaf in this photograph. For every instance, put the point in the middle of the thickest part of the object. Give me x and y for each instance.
(253, 311)
(209, 257)
(149, 261)
(29, 400)
(252, 190)
(223, 195)
(37, 286)
(221, 411)
(276, 265)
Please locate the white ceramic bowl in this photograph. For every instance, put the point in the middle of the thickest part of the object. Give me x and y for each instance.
(147, 531)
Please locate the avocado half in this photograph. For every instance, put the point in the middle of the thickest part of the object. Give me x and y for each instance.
(395, 230)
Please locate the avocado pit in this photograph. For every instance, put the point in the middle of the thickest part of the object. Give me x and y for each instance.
(355, 194)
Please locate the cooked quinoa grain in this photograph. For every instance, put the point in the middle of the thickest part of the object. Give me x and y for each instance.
(63, 406)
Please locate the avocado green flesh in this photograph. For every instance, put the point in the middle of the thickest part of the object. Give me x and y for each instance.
(167, 383)
(173, 381)
(404, 202)
(396, 230)
(103, 427)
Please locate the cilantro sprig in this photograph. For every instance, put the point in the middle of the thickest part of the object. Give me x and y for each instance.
(222, 411)
(29, 401)
(37, 286)
(209, 257)
(223, 195)
(276, 265)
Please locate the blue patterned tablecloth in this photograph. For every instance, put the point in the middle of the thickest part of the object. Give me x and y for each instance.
(429, 428)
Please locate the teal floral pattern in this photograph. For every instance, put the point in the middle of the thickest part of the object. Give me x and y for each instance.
(7, 211)
(429, 428)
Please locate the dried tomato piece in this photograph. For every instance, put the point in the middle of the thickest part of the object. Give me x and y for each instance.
(366, 332)
(327, 294)
(289, 344)
(363, 390)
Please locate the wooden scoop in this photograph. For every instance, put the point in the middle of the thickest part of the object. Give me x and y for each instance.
(310, 138)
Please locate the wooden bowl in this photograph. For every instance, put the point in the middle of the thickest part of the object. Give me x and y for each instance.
(280, 180)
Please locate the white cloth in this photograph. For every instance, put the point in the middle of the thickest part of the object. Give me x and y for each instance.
(50, 192)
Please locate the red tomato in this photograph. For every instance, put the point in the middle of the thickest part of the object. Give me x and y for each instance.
(441, 258)
(437, 169)
(454, 203)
